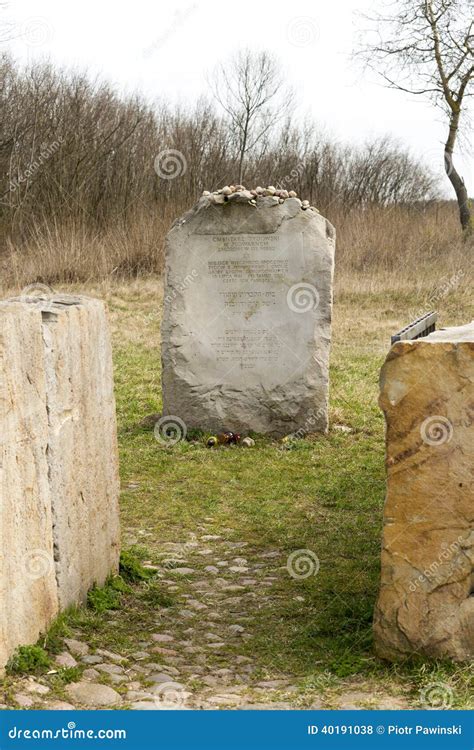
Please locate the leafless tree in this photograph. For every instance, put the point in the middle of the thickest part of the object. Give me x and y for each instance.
(80, 193)
(7, 27)
(426, 48)
(251, 90)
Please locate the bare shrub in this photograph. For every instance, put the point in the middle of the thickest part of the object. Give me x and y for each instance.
(84, 198)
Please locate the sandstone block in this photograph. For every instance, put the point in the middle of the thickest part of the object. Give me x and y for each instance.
(426, 602)
(59, 523)
(28, 591)
(82, 446)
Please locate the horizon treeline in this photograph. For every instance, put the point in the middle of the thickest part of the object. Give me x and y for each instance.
(84, 167)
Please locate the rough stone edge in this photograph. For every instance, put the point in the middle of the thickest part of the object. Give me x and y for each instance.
(448, 339)
(40, 592)
(80, 316)
(38, 307)
(288, 209)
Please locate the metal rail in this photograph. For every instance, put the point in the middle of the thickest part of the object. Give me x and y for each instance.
(417, 329)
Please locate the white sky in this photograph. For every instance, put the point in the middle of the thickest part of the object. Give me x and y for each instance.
(165, 49)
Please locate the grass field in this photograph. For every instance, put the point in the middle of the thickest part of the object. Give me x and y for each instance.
(323, 494)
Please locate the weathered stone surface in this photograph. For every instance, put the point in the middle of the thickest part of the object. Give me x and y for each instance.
(24, 701)
(90, 674)
(36, 687)
(28, 593)
(59, 522)
(162, 637)
(65, 660)
(59, 706)
(247, 317)
(82, 445)
(92, 694)
(92, 659)
(426, 602)
(78, 648)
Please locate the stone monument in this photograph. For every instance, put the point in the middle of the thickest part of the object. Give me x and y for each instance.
(59, 484)
(247, 314)
(426, 601)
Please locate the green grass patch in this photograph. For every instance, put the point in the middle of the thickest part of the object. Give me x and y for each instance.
(109, 597)
(29, 660)
(322, 493)
(59, 629)
(131, 568)
(154, 596)
(64, 676)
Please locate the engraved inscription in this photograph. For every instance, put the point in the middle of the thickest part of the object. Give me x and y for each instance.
(248, 299)
(246, 349)
(245, 242)
(249, 270)
(249, 275)
(238, 352)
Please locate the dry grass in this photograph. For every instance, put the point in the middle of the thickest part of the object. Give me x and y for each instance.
(71, 253)
(324, 495)
(400, 239)
(377, 248)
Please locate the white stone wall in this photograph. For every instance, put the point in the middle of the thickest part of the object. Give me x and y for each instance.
(59, 486)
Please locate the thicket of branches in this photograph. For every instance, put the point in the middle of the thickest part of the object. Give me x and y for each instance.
(75, 156)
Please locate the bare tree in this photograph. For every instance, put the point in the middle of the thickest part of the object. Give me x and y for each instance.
(426, 47)
(251, 90)
(82, 193)
(6, 26)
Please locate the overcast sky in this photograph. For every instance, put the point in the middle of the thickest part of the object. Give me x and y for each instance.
(165, 49)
